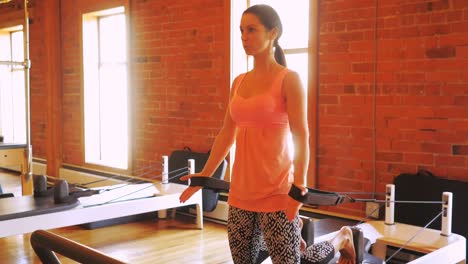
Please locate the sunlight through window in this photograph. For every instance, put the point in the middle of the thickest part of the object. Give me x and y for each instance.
(106, 88)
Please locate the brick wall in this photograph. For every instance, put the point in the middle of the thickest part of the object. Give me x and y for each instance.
(181, 71)
(415, 52)
(177, 64)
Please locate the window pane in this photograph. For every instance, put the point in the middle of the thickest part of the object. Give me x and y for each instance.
(105, 79)
(12, 89)
(19, 107)
(112, 35)
(113, 113)
(298, 62)
(18, 89)
(17, 51)
(295, 20)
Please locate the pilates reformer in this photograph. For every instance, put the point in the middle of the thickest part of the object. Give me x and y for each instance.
(445, 247)
(66, 204)
(437, 246)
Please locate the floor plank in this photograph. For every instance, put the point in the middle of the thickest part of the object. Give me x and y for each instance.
(149, 241)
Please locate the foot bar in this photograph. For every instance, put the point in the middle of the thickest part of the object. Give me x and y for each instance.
(317, 197)
(45, 244)
(211, 183)
(312, 197)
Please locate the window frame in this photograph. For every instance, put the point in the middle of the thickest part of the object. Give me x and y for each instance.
(16, 92)
(94, 17)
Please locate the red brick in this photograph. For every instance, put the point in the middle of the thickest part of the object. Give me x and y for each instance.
(358, 46)
(436, 148)
(333, 67)
(455, 39)
(418, 158)
(449, 161)
(389, 156)
(422, 19)
(460, 150)
(324, 99)
(458, 174)
(461, 100)
(456, 15)
(437, 18)
(398, 168)
(422, 134)
(442, 52)
(459, 27)
(407, 146)
(462, 51)
(451, 136)
(363, 67)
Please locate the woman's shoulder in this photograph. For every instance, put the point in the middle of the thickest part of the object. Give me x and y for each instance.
(291, 75)
(290, 72)
(238, 79)
(291, 82)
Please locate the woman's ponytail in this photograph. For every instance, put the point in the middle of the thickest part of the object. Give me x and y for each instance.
(279, 54)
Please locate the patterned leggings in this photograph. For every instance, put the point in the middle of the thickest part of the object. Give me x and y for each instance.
(250, 232)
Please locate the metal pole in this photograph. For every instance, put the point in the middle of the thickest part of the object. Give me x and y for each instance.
(27, 66)
(14, 63)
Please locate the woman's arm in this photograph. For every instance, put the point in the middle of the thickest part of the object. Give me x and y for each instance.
(297, 114)
(223, 141)
(221, 146)
(296, 104)
(219, 150)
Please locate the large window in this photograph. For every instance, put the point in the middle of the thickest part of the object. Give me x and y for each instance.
(12, 87)
(105, 69)
(295, 18)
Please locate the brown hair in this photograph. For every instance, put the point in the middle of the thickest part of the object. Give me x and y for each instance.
(270, 19)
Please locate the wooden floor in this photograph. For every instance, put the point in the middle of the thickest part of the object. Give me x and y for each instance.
(150, 241)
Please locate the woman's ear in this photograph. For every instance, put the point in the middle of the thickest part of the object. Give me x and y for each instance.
(274, 33)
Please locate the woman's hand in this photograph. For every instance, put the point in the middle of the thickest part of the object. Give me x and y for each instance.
(293, 206)
(187, 193)
(303, 245)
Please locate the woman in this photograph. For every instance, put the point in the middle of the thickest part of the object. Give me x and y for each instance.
(266, 104)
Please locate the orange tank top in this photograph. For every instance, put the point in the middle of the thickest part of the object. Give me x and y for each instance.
(262, 162)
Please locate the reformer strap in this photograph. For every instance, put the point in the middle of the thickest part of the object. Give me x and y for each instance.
(211, 183)
(317, 197)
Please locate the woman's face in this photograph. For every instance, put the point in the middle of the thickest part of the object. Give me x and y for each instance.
(255, 37)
